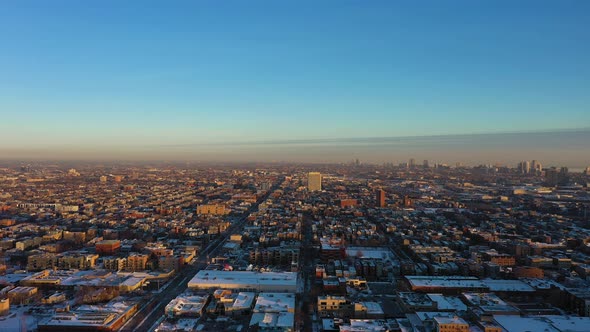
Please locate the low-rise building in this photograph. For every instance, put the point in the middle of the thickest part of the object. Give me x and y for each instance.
(245, 281)
(108, 317)
(187, 305)
(450, 324)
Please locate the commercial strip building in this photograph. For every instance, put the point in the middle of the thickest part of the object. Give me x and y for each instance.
(245, 281)
(108, 317)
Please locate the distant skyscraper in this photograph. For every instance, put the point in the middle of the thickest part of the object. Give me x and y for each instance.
(536, 167)
(381, 198)
(412, 163)
(551, 176)
(524, 167)
(425, 163)
(314, 181)
(563, 177)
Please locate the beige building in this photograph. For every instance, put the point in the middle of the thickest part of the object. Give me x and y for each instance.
(28, 243)
(337, 306)
(115, 263)
(170, 263)
(450, 324)
(76, 237)
(22, 295)
(77, 261)
(136, 262)
(56, 297)
(214, 209)
(314, 181)
(4, 307)
(41, 262)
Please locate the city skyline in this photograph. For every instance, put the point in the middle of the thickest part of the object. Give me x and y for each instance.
(104, 80)
(553, 148)
(284, 166)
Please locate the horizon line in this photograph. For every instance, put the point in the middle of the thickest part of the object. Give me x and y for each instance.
(376, 139)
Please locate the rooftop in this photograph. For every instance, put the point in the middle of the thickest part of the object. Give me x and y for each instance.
(275, 302)
(445, 282)
(243, 279)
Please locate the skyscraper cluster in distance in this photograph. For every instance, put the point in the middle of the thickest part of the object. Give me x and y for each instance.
(528, 167)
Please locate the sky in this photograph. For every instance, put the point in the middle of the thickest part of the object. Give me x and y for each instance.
(190, 79)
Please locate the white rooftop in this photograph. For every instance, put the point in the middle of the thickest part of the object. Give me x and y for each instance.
(447, 302)
(450, 320)
(364, 325)
(275, 302)
(250, 280)
(445, 282)
(524, 324)
(244, 300)
(370, 252)
(499, 285)
(267, 320)
(570, 324)
(373, 308)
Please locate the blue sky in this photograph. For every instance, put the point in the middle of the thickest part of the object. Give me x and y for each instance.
(146, 73)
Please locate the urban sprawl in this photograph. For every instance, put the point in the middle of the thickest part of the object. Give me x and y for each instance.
(355, 247)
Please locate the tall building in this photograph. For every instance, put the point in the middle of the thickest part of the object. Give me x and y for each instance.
(412, 163)
(563, 177)
(551, 176)
(314, 181)
(425, 164)
(381, 198)
(557, 177)
(136, 262)
(524, 167)
(536, 167)
(408, 203)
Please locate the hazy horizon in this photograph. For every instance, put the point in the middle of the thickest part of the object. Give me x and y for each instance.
(325, 81)
(552, 148)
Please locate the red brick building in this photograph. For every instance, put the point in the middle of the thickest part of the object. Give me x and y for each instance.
(108, 247)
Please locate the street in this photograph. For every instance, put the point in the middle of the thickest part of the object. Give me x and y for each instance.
(153, 309)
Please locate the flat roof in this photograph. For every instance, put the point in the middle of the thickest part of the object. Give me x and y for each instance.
(500, 285)
(450, 320)
(445, 282)
(569, 323)
(368, 325)
(425, 315)
(524, 324)
(109, 242)
(242, 279)
(244, 300)
(275, 302)
(274, 319)
(373, 307)
(91, 315)
(371, 252)
(447, 302)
